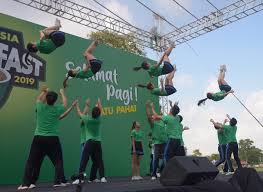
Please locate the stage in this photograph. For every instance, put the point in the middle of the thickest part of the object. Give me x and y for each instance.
(116, 184)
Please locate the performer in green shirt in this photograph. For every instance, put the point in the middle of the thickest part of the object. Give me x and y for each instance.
(50, 39)
(222, 144)
(158, 70)
(159, 137)
(225, 89)
(165, 90)
(136, 149)
(46, 140)
(93, 65)
(92, 148)
(232, 145)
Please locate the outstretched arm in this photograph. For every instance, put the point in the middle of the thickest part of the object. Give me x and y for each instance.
(86, 109)
(68, 110)
(78, 110)
(99, 104)
(162, 86)
(43, 94)
(153, 109)
(148, 112)
(227, 93)
(64, 98)
(216, 125)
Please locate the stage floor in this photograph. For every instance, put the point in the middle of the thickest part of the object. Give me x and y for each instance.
(116, 184)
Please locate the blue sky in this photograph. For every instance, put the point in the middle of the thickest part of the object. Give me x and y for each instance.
(238, 45)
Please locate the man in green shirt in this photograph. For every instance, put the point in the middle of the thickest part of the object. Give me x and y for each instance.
(46, 140)
(232, 145)
(222, 144)
(173, 131)
(156, 70)
(93, 65)
(50, 39)
(159, 138)
(225, 89)
(92, 148)
(165, 90)
(182, 129)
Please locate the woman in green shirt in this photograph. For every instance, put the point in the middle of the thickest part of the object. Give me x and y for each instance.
(50, 39)
(136, 150)
(156, 70)
(165, 90)
(92, 67)
(225, 89)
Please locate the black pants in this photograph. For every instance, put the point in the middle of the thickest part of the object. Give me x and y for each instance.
(92, 150)
(151, 164)
(232, 148)
(40, 147)
(95, 169)
(158, 155)
(222, 154)
(172, 149)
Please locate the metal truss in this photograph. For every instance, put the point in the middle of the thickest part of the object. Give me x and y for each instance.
(215, 20)
(88, 17)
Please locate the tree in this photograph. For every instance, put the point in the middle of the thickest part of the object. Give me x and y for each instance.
(197, 153)
(249, 153)
(124, 42)
(213, 157)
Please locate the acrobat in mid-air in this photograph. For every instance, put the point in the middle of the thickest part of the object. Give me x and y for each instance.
(225, 89)
(93, 65)
(50, 39)
(165, 90)
(158, 70)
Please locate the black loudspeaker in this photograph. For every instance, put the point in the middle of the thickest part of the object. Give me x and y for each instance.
(187, 171)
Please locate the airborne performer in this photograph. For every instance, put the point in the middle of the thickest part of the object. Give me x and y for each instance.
(93, 65)
(50, 39)
(225, 89)
(165, 90)
(156, 70)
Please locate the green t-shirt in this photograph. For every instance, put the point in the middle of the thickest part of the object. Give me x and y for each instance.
(172, 126)
(45, 46)
(159, 92)
(48, 119)
(82, 132)
(84, 75)
(218, 96)
(136, 134)
(222, 139)
(230, 132)
(159, 135)
(155, 71)
(92, 128)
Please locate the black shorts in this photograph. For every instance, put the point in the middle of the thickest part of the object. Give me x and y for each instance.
(138, 148)
(57, 37)
(167, 68)
(95, 65)
(159, 150)
(170, 89)
(225, 88)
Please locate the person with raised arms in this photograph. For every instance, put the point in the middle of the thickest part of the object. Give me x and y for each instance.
(50, 39)
(156, 70)
(225, 89)
(165, 90)
(232, 145)
(159, 137)
(182, 129)
(92, 148)
(93, 65)
(46, 140)
(172, 123)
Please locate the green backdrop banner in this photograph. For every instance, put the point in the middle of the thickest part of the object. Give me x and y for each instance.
(19, 87)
